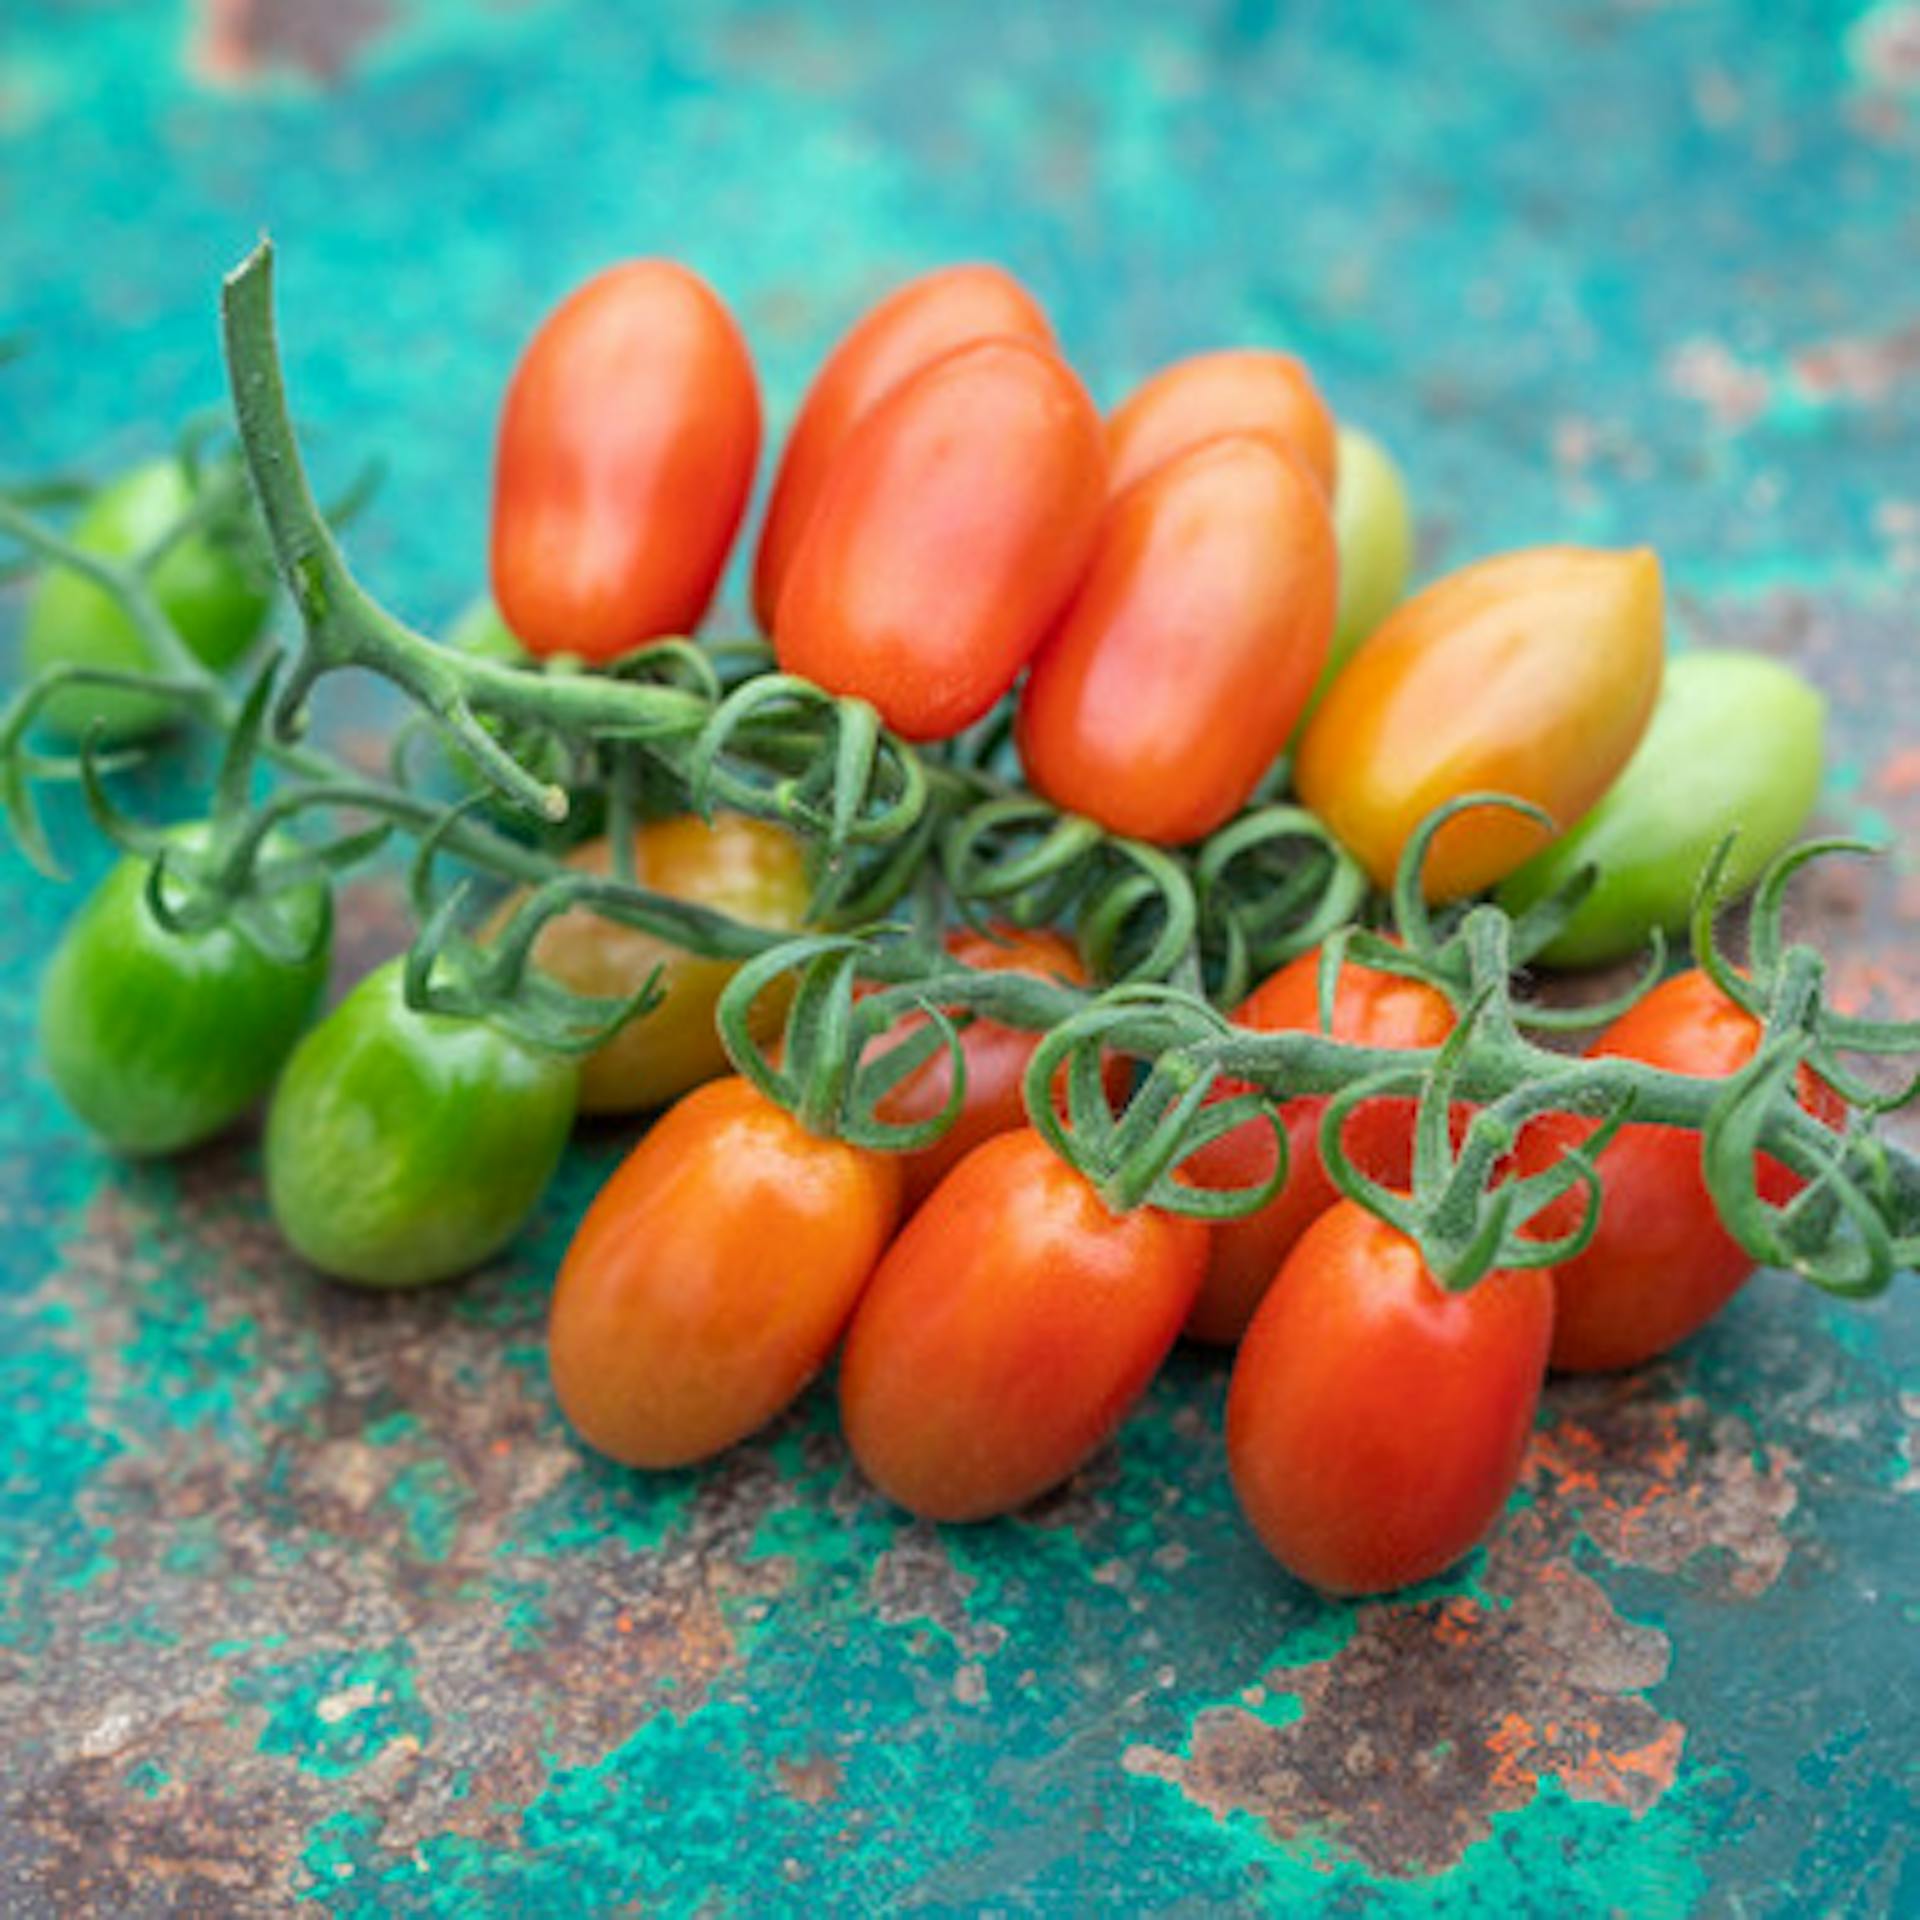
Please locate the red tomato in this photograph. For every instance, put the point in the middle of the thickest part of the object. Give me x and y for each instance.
(1189, 652)
(1007, 1332)
(709, 1280)
(996, 1057)
(626, 455)
(1375, 1422)
(1371, 1009)
(956, 521)
(1531, 674)
(911, 328)
(1240, 390)
(1660, 1264)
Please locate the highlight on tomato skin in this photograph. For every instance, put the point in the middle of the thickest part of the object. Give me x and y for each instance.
(912, 327)
(1236, 390)
(1660, 1265)
(1371, 1008)
(954, 525)
(711, 1277)
(1186, 657)
(1532, 674)
(1376, 1424)
(626, 455)
(1007, 1332)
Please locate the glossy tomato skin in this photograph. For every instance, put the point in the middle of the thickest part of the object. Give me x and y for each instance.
(710, 1279)
(956, 520)
(1239, 390)
(1375, 1422)
(1660, 1264)
(1373, 524)
(215, 597)
(1007, 1332)
(1734, 747)
(995, 1057)
(404, 1148)
(911, 328)
(626, 453)
(1371, 1008)
(751, 869)
(1532, 674)
(1189, 651)
(159, 1040)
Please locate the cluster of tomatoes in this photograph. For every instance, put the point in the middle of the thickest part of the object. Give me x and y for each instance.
(1176, 605)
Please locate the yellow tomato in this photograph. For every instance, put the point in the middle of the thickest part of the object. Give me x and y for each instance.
(1531, 674)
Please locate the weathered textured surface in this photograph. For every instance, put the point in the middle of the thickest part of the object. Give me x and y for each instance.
(306, 1595)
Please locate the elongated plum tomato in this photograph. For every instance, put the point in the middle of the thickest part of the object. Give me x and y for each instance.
(1375, 1422)
(750, 869)
(1189, 651)
(995, 1057)
(405, 1147)
(1733, 748)
(214, 594)
(911, 328)
(1239, 390)
(1370, 1009)
(159, 1040)
(710, 1279)
(1007, 1332)
(956, 520)
(626, 454)
(1660, 1265)
(1533, 674)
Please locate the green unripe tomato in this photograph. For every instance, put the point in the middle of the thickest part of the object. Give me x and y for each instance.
(407, 1147)
(159, 1040)
(1373, 524)
(215, 599)
(1734, 746)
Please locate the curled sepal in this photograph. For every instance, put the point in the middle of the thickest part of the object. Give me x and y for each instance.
(1140, 921)
(1133, 1157)
(877, 1075)
(1269, 886)
(1531, 1017)
(1708, 955)
(1768, 910)
(1833, 1233)
(1412, 917)
(1017, 856)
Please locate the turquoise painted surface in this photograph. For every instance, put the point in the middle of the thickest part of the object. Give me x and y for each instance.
(304, 1596)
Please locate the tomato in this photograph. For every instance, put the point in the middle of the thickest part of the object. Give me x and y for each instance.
(956, 521)
(407, 1147)
(1189, 651)
(626, 454)
(1376, 1422)
(1532, 674)
(215, 594)
(1239, 390)
(750, 869)
(1007, 1332)
(712, 1276)
(1660, 1264)
(911, 328)
(1373, 523)
(1370, 1009)
(995, 1057)
(160, 1040)
(1734, 747)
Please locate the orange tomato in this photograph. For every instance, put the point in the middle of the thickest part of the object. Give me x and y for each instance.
(953, 526)
(912, 327)
(1532, 674)
(1239, 390)
(1188, 654)
(1007, 1332)
(710, 1279)
(1370, 1009)
(626, 454)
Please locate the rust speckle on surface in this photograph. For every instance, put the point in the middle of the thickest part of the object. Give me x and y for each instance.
(236, 41)
(813, 1781)
(1862, 369)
